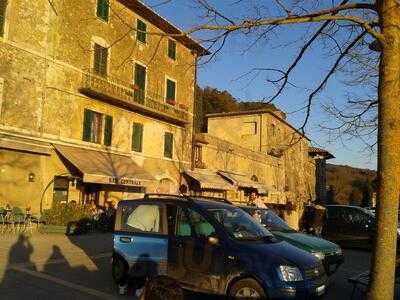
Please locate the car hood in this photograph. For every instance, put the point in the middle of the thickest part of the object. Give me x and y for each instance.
(306, 242)
(281, 253)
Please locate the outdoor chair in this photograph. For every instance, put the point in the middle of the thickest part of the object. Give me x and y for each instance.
(360, 282)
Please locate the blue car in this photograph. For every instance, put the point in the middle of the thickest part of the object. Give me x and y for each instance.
(211, 247)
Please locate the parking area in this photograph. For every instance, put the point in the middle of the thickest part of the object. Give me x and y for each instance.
(59, 267)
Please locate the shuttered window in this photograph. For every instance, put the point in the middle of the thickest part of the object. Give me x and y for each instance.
(171, 90)
(137, 137)
(108, 130)
(141, 31)
(168, 144)
(3, 6)
(103, 9)
(92, 126)
(100, 60)
(140, 83)
(172, 49)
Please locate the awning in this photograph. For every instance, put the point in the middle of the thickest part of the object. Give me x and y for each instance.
(104, 167)
(244, 181)
(209, 179)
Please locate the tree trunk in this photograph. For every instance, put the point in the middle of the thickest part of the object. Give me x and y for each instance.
(384, 253)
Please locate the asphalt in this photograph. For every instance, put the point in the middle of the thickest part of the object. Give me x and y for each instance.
(55, 266)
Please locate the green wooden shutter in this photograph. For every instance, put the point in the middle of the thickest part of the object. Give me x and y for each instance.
(87, 125)
(172, 49)
(102, 9)
(141, 33)
(170, 89)
(108, 130)
(168, 144)
(137, 137)
(3, 6)
(100, 60)
(140, 81)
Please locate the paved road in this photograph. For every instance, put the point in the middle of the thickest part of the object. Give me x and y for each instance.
(58, 267)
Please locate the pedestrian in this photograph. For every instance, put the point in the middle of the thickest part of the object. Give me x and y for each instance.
(255, 200)
(313, 218)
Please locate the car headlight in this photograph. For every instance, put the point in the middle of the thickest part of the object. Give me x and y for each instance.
(318, 255)
(289, 273)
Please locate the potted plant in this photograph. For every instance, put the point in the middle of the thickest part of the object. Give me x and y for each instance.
(171, 101)
(135, 86)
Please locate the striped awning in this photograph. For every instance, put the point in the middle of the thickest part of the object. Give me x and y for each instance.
(209, 179)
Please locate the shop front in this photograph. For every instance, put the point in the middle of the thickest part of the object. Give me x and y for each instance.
(98, 176)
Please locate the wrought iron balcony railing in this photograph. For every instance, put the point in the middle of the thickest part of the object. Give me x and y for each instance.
(147, 102)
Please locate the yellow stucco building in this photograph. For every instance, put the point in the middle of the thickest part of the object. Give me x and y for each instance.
(96, 101)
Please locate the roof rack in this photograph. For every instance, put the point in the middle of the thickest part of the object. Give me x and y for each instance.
(219, 199)
(157, 195)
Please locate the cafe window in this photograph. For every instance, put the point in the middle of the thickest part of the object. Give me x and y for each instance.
(141, 27)
(168, 144)
(172, 49)
(140, 83)
(100, 60)
(170, 92)
(93, 127)
(3, 6)
(102, 9)
(60, 189)
(137, 137)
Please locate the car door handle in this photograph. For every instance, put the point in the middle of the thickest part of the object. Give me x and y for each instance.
(125, 239)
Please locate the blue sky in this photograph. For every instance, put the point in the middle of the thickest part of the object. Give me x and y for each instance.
(232, 62)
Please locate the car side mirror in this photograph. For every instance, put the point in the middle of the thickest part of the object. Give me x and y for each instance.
(212, 240)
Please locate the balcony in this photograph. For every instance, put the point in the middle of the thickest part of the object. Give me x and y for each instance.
(122, 94)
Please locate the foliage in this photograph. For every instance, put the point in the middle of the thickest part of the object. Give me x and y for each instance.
(62, 214)
(351, 185)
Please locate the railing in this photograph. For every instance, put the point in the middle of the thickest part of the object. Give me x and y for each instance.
(147, 102)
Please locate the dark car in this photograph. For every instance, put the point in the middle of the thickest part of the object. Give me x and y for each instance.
(330, 253)
(350, 226)
(210, 247)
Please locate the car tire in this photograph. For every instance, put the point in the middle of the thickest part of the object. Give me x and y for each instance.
(247, 289)
(119, 270)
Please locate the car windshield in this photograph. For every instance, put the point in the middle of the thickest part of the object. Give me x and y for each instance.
(239, 224)
(269, 219)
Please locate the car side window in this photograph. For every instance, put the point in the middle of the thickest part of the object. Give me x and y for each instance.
(192, 224)
(142, 218)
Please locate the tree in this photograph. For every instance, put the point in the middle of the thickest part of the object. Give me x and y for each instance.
(364, 22)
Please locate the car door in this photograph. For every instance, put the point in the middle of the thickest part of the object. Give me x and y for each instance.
(361, 227)
(193, 260)
(141, 237)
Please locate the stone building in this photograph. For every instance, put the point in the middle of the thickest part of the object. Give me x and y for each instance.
(256, 150)
(96, 101)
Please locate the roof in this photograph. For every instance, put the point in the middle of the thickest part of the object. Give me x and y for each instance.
(208, 179)
(256, 112)
(104, 167)
(241, 180)
(150, 15)
(314, 151)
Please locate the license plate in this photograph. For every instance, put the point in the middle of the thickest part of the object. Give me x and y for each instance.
(320, 290)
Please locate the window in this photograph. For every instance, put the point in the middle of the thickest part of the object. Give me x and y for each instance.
(141, 31)
(249, 128)
(108, 130)
(140, 83)
(168, 144)
(137, 137)
(102, 9)
(172, 49)
(93, 126)
(3, 6)
(171, 92)
(191, 224)
(100, 60)
(140, 218)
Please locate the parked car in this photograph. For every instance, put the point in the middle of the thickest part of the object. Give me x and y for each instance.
(350, 226)
(329, 253)
(210, 247)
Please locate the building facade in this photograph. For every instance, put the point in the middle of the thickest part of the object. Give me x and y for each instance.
(263, 152)
(96, 101)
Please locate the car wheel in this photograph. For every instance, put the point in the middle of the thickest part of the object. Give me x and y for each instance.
(119, 270)
(247, 289)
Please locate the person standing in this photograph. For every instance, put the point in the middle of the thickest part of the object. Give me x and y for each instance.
(255, 200)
